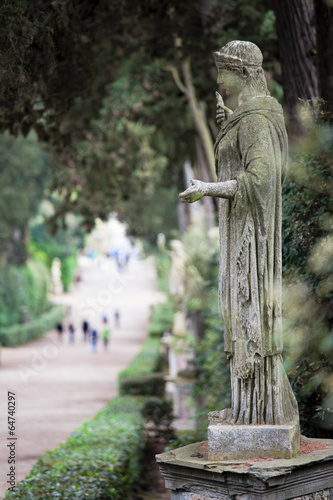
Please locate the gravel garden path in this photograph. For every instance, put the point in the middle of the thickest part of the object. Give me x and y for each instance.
(58, 384)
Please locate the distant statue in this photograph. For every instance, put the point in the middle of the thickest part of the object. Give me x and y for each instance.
(177, 278)
(184, 279)
(251, 158)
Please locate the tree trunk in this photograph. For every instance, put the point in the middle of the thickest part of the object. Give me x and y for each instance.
(199, 119)
(324, 26)
(297, 42)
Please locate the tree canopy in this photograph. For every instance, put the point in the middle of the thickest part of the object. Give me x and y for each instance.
(124, 93)
(101, 82)
(24, 170)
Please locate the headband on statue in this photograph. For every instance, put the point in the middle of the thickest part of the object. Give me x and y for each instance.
(223, 59)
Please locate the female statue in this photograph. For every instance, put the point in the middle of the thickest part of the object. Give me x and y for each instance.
(251, 158)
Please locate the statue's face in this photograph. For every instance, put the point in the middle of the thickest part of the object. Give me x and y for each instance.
(232, 82)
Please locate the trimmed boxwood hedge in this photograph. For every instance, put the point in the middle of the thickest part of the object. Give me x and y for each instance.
(100, 460)
(141, 377)
(151, 384)
(19, 334)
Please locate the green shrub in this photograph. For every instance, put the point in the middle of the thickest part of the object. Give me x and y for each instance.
(68, 267)
(140, 376)
(21, 333)
(12, 295)
(163, 266)
(23, 291)
(150, 384)
(157, 410)
(307, 260)
(100, 460)
(36, 284)
(161, 319)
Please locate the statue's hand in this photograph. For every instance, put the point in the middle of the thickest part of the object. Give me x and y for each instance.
(222, 114)
(195, 192)
(222, 111)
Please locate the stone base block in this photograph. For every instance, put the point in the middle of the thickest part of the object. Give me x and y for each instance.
(190, 475)
(227, 442)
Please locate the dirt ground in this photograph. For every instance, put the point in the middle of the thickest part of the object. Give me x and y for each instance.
(58, 384)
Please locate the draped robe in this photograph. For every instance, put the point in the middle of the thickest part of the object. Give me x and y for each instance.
(252, 148)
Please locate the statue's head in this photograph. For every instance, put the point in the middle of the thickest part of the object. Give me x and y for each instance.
(245, 60)
(239, 54)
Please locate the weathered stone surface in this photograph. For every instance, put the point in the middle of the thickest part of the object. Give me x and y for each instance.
(320, 495)
(251, 152)
(188, 470)
(194, 496)
(227, 442)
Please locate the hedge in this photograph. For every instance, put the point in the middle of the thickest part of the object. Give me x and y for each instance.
(23, 292)
(100, 460)
(19, 334)
(151, 384)
(161, 319)
(141, 377)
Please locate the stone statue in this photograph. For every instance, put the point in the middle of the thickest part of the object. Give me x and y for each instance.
(251, 158)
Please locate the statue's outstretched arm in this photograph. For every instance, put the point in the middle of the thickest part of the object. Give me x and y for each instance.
(199, 189)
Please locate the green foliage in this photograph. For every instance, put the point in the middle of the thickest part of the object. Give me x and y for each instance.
(147, 216)
(143, 384)
(12, 294)
(51, 55)
(36, 285)
(100, 460)
(307, 206)
(307, 253)
(163, 266)
(120, 160)
(22, 333)
(213, 379)
(141, 377)
(161, 319)
(23, 293)
(157, 410)
(68, 267)
(23, 176)
(119, 126)
(62, 245)
(201, 249)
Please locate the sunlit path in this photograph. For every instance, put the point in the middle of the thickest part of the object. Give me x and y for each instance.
(58, 384)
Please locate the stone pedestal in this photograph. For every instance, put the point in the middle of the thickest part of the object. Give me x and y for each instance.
(230, 442)
(192, 476)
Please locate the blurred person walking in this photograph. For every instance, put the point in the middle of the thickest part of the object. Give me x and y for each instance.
(85, 329)
(106, 334)
(94, 337)
(71, 333)
(60, 330)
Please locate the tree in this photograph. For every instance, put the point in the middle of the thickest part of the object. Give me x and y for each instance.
(66, 53)
(24, 170)
(324, 30)
(50, 55)
(305, 33)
